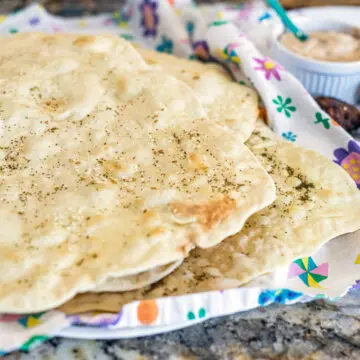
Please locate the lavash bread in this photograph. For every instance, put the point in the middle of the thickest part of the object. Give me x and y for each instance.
(137, 281)
(109, 169)
(316, 202)
(226, 102)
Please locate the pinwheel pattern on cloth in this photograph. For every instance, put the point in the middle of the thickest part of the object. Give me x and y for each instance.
(29, 321)
(308, 272)
(26, 321)
(230, 56)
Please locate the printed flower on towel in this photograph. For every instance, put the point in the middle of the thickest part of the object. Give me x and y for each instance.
(190, 26)
(201, 50)
(229, 55)
(280, 296)
(284, 105)
(322, 120)
(34, 21)
(128, 37)
(201, 314)
(10, 317)
(96, 319)
(33, 342)
(265, 16)
(245, 11)
(123, 17)
(357, 261)
(29, 321)
(356, 286)
(349, 159)
(150, 18)
(166, 45)
(147, 312)
(290, 136)
(269, 67)
(219, 23)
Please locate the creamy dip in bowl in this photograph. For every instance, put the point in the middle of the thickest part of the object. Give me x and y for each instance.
(328, 64)
(326, 45)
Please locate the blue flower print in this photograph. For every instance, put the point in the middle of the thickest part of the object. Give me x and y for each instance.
(290, 136)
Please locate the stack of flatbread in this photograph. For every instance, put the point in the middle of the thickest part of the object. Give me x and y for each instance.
(127, 174)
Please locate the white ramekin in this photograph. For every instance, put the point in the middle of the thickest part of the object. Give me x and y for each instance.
(321, 78)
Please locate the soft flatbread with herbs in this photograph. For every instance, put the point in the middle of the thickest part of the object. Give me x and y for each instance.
(316, 202)
(226, 102)
(109, 169)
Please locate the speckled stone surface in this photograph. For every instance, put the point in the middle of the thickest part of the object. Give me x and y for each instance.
(314, 331)
(317, 331)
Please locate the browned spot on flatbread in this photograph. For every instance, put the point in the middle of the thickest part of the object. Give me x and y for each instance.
(150, 215)
(196, 163)
(112, 166)
(157, 231)
(262, 114)
(151, 61)
(53, 105)
(122, 85)
(49, 39)
(94, 220)
(188, 244)
(82, 41)
(208, 214)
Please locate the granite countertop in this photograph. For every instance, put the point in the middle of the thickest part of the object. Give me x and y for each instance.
(314, 331)
(318, 330)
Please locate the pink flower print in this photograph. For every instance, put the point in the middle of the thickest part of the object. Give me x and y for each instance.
(9, 317)
(56, 28)
(108, 22)
(269, 67)
(245, 11)
(349, 159)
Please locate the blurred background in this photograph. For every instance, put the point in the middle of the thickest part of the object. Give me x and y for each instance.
(82, 7)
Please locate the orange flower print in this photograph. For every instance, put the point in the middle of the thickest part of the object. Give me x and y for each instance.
(147, 312)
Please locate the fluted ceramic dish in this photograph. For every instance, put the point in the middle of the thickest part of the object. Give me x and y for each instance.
(322, 78)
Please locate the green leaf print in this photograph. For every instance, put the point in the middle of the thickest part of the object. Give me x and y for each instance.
(191, 315)
(33, 341)
(219, 23)
(322, 120)
(127, 37)
(201, 314)
(283, 105)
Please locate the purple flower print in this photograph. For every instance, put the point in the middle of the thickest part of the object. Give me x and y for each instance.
(34, 21)
(150, 18)
(101, 320)
(349, 159)
(201, 50)
(355, 287)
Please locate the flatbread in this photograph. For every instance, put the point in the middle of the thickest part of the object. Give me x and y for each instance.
(316, 201)
(109, 169)
(227, 103)
(138, 281)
